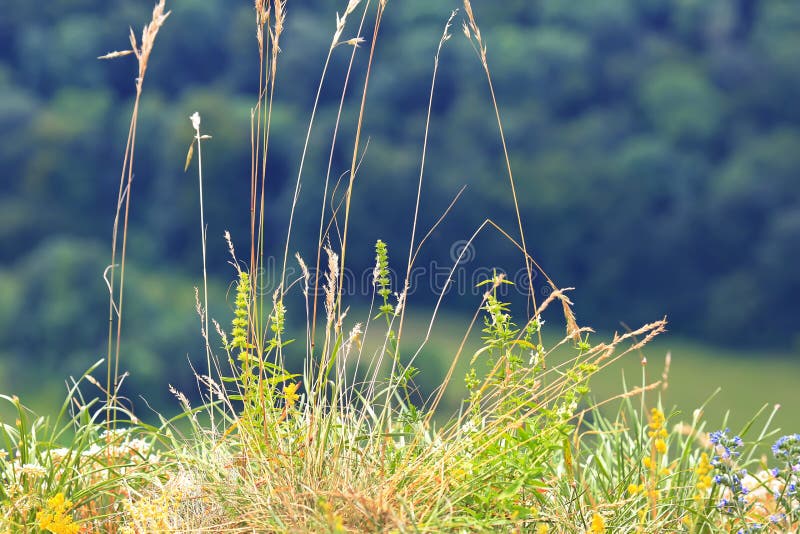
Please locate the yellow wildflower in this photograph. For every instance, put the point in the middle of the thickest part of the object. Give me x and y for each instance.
(334, 520)
(647, 462)
(290, 394)
(54, 518)
(151, 513)
(656, 419)
(633, 489)
(656, 424)
(542, 528)
(703, 469)
(598, 525)
(661, 446)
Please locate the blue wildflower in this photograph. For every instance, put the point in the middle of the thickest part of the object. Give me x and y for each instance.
(786, 446)
(716, 436)
(729, 477)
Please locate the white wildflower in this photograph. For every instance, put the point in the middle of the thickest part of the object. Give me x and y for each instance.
(195, 118)
(34, 470)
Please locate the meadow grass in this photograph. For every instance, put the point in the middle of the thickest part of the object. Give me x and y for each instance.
(343, 443)
(698, 372)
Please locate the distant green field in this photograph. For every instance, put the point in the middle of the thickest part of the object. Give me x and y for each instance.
(748, 379)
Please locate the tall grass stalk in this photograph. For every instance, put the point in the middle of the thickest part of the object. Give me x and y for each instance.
(142, 52)
(198, 139)
(328, 170)
(415, 220)
(356, 143)
(472, 31)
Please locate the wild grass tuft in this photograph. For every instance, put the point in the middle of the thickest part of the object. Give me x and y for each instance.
(342, 442)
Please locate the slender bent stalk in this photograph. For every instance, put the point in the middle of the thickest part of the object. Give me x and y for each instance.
(142, 52)
(334, 136)
(354, 161)
(474, 31)
(198, 138)
(411, 255)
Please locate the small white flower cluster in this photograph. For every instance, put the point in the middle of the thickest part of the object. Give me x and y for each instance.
(565, 411)
(31, 469)
(57, 455)
(16, 469)
(120, 444)
(20, 479)
(469, 427)
(535, 355)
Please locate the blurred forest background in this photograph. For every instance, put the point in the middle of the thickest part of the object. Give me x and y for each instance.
(656, 146)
